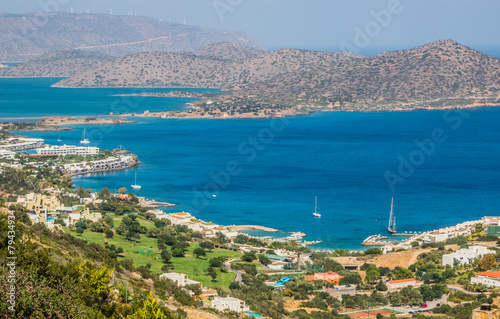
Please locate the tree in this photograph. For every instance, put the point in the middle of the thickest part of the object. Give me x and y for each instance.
(98, 227)
(372, 273)
(381, 286)
(159, 223)
(402, 273)
(212, 273)
(263, 259)
(208, 245)
(487, 262)
(216, 262)
(241, 239)
(151, 310)
(81, 224)
(121, 230)
(59, 221)
(373, 251)
(104, 193)
(448, 273)
(196, 289)
(109, 233)
(165, 256)
(177, 252)
(395, 298)
(199, 252)
(79, 230)
(131, 235)
(122, 190)
(108, 219)
(167, 268)
(352, 278)
(248, 256)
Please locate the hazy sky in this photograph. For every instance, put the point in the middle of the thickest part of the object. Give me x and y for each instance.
(316, 24)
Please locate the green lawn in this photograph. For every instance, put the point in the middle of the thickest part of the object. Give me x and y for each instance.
(192, 266)
(195, 267)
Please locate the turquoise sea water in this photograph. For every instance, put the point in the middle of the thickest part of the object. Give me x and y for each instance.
(268, 172)
(21, 97)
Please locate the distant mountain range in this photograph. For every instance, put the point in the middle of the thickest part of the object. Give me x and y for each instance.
(437, 75)
(24, 37)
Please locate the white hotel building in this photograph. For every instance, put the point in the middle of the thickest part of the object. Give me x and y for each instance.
(68, 150)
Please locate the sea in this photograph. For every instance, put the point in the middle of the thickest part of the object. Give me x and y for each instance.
(441, 167)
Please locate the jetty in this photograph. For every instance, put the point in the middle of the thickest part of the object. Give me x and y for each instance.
(404, 234)
(375, 240)
(253, 227)
(151, 203)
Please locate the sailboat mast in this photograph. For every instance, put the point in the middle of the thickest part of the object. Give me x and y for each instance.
(315, 203)
(390, 216)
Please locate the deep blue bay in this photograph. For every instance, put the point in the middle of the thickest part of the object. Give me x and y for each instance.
(277, 167)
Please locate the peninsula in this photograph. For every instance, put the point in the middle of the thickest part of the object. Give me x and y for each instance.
(440, 75)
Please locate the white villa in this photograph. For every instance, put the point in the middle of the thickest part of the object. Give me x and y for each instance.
(230, 303)
(488, 278)
(466, 255)
(180, 279)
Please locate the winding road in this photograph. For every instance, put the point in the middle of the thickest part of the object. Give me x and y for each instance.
(238, 273)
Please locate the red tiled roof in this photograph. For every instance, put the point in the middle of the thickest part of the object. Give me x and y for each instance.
(492, 274)
(401, 280)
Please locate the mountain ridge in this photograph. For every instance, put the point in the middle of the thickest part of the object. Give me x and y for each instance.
(27, 36)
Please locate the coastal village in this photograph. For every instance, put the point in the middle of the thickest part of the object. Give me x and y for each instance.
(434, 271)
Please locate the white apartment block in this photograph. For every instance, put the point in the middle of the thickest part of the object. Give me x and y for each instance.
(466, 255)
(179, 218)
(491, 220)
(68, 150)
(230, 303)
(101, 165)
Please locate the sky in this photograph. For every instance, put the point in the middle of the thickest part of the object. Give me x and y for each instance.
(364, 26)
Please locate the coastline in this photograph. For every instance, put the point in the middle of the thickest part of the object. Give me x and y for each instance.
(191, 115)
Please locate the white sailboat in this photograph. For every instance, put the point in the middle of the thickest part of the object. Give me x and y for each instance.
(392, 219)
(316, 214)
(59, 139)
(84, 140)
(135, 186)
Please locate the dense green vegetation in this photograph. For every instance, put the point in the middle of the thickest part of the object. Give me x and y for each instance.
(59, 276)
